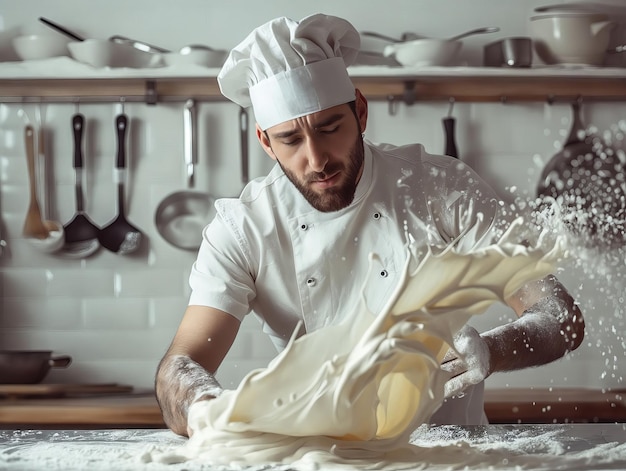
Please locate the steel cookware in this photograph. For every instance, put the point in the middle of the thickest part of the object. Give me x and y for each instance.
(509, 52)
(182, 215)
(587, 181)
(431, 51)
(29, 366)
(117, 51)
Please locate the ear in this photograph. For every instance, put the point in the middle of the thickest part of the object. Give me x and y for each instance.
(265, 142)
(361, 109)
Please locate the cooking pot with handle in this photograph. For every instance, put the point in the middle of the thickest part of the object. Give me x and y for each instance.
(29, 366)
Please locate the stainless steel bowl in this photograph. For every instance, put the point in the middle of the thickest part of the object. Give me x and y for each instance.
(509, 52)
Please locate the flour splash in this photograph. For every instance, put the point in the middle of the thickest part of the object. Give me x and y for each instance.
(351, 394)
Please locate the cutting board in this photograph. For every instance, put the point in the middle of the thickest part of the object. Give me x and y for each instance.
(56, 390)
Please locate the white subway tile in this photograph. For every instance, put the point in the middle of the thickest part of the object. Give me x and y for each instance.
(47, 313)
(116, 314)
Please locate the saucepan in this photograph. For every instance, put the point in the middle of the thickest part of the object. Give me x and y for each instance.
(431, 51)
(117, 51)
(182, 215)
(29, 366)
(509, 52)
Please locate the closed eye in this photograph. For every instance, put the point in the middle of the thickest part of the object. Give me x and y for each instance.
(329, 130)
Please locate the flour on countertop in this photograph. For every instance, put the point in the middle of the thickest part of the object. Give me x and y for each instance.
(567, 447)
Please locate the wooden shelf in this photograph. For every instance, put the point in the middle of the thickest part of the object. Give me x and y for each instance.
(554, 405)
(466, 85)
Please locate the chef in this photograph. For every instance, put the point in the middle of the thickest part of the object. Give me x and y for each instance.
(294, 249)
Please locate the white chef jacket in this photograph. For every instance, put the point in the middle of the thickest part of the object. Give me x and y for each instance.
(271, 253)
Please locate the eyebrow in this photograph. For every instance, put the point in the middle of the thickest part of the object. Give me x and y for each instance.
(326, 122)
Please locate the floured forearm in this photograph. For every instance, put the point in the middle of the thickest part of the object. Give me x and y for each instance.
(544, 333)
(180, 382)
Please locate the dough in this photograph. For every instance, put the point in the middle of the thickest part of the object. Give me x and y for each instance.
(351, 394)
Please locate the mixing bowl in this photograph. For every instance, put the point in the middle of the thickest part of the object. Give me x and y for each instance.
(571, 38)
(39, 46)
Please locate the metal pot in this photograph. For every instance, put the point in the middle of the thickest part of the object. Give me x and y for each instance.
(29, 366)
(509, 52)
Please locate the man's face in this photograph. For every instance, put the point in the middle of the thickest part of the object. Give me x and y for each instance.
(321, 153)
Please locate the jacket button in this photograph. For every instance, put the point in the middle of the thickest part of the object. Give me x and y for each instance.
(384, 274)
(377, 215)
(311, 282)
(304, 227)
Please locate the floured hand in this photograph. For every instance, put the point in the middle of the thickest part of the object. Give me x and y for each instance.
(469, 365)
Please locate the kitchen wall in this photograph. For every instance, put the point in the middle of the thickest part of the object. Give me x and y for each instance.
(116, 314)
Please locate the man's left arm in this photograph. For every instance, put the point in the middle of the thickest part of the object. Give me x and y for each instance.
(549, 325)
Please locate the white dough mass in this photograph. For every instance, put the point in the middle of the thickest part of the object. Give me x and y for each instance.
(351, 394)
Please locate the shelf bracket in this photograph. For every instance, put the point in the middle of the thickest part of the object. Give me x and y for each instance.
(151, 92)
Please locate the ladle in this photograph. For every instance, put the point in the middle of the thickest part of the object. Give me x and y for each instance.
(81, 235)
(182, 215)
(120, 235)
(45, 235)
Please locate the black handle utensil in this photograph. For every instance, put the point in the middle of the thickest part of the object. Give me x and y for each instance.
(119, 235)
(81, 234)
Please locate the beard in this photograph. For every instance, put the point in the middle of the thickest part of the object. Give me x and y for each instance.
(337, 197)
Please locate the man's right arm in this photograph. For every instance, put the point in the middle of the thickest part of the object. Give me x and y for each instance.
(186, 372)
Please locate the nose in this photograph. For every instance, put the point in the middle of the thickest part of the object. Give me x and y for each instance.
(316, 155)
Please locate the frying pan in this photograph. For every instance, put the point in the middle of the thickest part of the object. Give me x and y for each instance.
(29, 366)
(586, 179)
(181, 216)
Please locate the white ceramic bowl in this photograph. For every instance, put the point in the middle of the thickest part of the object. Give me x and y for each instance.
(424, 52)
(571, 38)
(40, 46)
(104, 53)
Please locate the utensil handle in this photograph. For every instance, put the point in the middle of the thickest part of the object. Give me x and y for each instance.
(189, 136)
(450, 149)
(78, 121)
(61, 29)
(121, 124)
(577, 126)
(243, 134)
(29, 140)
(78, 124)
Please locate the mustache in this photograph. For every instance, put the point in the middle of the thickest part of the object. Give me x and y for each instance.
(315, 176)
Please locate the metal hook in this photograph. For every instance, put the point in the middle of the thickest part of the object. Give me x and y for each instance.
(550, 99)
(121, 105)
(451, 106)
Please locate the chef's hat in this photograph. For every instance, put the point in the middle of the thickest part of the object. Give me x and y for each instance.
(286, 69)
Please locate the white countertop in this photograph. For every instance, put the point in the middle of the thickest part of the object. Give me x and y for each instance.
(501, 447)
(66, 67)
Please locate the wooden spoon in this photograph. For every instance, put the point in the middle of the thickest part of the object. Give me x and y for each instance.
(34, 226)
